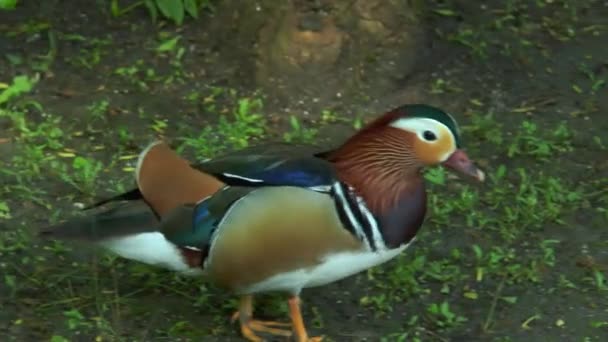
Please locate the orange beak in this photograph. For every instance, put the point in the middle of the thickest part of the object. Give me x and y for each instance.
(460, 162)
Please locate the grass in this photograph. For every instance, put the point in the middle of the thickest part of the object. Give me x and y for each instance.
(519, 258)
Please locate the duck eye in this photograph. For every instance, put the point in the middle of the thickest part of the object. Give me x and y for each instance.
(429, 136)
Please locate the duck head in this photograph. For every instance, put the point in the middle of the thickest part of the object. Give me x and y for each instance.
(434, 138)
(405, 140)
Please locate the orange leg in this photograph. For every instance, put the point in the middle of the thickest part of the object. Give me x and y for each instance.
(298, 323)
(250, 326)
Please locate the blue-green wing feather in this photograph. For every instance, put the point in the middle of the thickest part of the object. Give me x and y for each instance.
(193, 225)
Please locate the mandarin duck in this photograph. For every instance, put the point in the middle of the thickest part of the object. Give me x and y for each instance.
(258, 220)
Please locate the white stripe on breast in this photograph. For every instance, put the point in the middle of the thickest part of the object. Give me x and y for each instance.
(341, 196)
(378, 240)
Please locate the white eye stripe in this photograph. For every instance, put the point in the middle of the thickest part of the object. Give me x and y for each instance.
(419, 125)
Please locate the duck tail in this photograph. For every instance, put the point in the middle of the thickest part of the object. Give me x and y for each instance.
(127, 219)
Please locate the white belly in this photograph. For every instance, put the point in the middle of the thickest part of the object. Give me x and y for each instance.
(334, 267)
(151, 248)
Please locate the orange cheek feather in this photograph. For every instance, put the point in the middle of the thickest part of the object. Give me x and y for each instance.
(431, 152)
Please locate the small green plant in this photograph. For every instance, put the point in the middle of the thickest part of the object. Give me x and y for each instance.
(396, 283)
(436, 176)
(21, 84)
(380, 302)
(443, 317)
(234, 131)
(168, 44)
(98, 109)
(85, 173)
(549, 251)
(175, 10)
(484, 127)
(597, 83)
(58, 338)
(442, 86)
(90, 52)
(600, 280)
(8, 4)
(75, 319)
(138, 74)
(472, 39)
(248, 123)
(299, 133)
(530, 140)
(11, 282)
(169, 47)
(125, 137)
(5, 212)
